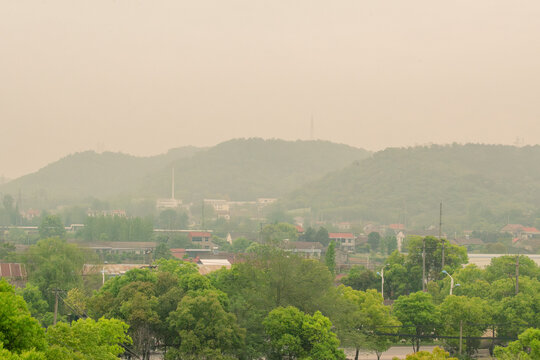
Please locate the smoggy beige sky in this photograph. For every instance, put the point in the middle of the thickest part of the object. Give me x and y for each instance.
(144, 76)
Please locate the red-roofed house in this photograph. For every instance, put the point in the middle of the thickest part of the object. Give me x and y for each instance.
(514, 229)
(345, 240)
(179, 253)
(530, 232)
(14, 273)
(519, 231)
(201, 237)
(299, 229)
(398, 227)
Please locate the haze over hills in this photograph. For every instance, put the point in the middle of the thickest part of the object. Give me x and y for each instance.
(88, 173)
(481, 186)
(244, 169)
(240, 169)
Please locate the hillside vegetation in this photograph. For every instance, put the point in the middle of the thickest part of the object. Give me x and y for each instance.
(89, 174)
(241, 169)
(480, 186)
(244, 169)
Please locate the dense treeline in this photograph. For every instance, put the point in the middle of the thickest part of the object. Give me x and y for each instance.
(480, 297)
(116, 228)
(482, 187)
(274, 304)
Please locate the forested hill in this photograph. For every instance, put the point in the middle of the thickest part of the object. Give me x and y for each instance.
(480, 186)
(244, 169)
(240, 169)
(89, 174)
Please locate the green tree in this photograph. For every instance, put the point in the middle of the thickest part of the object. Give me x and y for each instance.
(330, 257)
(388, 244)
(36, 303)
(12, 212)
(275, 234)
(517, 313)
(24, 355)
(527, 347)
(170, 219)
(360, 278)
(7, 251)
(201, 336)
(309, 235)
(76, 300)
(53, 263)
(374, 240)
(419, 314)
(240, 245)
(51, 226)
(401, 276)
(473, 313)
(360, 316)
(162, 252)
(504, 267)
(472, 283)
(295, 335)
(19, 331)
(454, 256)
(145, 298)
(87, 339)
(437, 354)
(270, 278)
(322, 236)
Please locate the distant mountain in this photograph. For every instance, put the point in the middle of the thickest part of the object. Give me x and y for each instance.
(89, 174)
(244, 169)
(241, 169)
(481, 186)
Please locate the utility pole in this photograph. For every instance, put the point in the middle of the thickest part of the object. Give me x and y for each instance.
(517, 274)
(424, 265)
(382, 284)
(460, 336)
(55, 304)
(440, 236)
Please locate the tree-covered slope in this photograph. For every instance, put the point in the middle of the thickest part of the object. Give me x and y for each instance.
(244, 169)
(480, 185)
(241, 169)
(88, 174)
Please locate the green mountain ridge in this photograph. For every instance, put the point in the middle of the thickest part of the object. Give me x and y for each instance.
(245, 169)
(239, 169)
(481, 186)
(89, 174)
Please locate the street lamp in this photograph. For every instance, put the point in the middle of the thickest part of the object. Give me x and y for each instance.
(451, 281)
(381, 274)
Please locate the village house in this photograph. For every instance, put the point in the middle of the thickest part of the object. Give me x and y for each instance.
(307, 249)
(14, 273)
(202, 238)
(345, 240)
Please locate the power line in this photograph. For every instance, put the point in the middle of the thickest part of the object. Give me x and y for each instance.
(84, 315)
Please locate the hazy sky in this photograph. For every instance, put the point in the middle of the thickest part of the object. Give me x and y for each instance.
(144, 76)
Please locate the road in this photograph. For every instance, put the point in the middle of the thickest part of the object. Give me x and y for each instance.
(399, 351)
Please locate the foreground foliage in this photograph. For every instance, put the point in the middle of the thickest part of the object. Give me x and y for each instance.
(527, 347)
(22, 338)
(295, 335)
